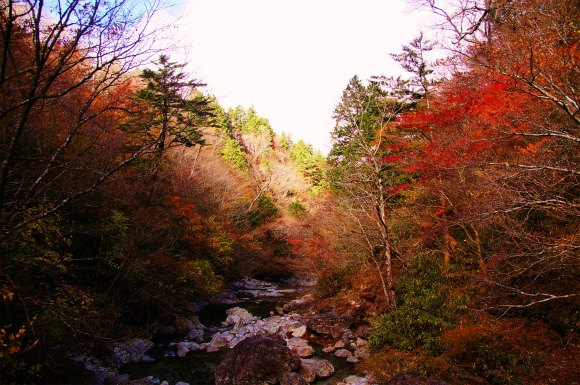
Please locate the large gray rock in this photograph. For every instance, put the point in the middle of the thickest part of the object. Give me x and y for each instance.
(231, 320)
(239, 312)
(413, 378)
(260, 359)
(300, 347)
(362, 353)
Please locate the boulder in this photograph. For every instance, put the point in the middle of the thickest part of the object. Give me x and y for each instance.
(336, 332)
(196, 335)
(354, 380)
(343, 353)
(271, 327)
(260, 359)
(234, 341)
(299, 303)
(255, 284)
(186, 324)
(298, 331)
(315, 368)
(238, 328)
(300, 347)
(328, 349)
(361, 342)
(212, 349)
(362, 353)
(185, 347)
(232, 320)
(221, 340)
(348, 335)
(413, 378)
(333, 324)
(239, 312)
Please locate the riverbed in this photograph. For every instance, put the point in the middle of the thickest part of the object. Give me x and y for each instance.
(263, 300)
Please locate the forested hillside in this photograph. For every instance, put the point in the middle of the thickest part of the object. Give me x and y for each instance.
(447, 209)
(464, 192)
(128, 194)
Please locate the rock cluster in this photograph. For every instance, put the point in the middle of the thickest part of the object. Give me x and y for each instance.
(259, 288)
(133, 350)
(285, 336)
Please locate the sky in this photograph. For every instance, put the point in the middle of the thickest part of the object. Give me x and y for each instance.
(291, 60)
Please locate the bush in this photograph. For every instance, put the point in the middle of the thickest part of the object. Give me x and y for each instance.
(297, 209)
(499, 362)
(426, 307)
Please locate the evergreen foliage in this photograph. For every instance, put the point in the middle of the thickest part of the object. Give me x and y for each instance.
(311, 164)
(297, 209)
(249, 122)
(174, 109)
(234, 154)
(359, 116)
(426, 307)
(285, 141)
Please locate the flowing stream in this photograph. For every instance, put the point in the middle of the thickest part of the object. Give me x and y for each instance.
(197, 367)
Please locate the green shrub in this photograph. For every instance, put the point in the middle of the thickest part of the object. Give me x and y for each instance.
(264, 211)
(267, 208)
(499, 362)
(297, 209)
(426, 307)
(315, 191)
(234, 154)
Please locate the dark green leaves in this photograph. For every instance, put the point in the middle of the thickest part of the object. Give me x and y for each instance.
(173, 108)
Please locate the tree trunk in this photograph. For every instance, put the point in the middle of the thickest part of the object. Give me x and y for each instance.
(389, 278)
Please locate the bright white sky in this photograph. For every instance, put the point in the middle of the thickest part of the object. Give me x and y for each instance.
(291, 60)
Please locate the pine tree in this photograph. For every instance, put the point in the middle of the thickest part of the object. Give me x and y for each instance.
(174, 108)
(413, 60)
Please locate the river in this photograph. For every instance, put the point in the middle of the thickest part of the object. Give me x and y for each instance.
(197, 367)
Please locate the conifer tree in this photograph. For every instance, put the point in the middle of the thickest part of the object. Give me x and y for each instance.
(413, 60)
(175, 109)
(363, 172)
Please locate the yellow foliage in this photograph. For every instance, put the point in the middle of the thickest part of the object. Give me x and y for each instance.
(42, 242)
(12, 341)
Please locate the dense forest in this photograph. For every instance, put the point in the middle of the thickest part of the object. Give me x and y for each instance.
(448, 205)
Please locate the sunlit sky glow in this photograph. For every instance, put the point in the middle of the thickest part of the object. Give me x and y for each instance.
(291, 60)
